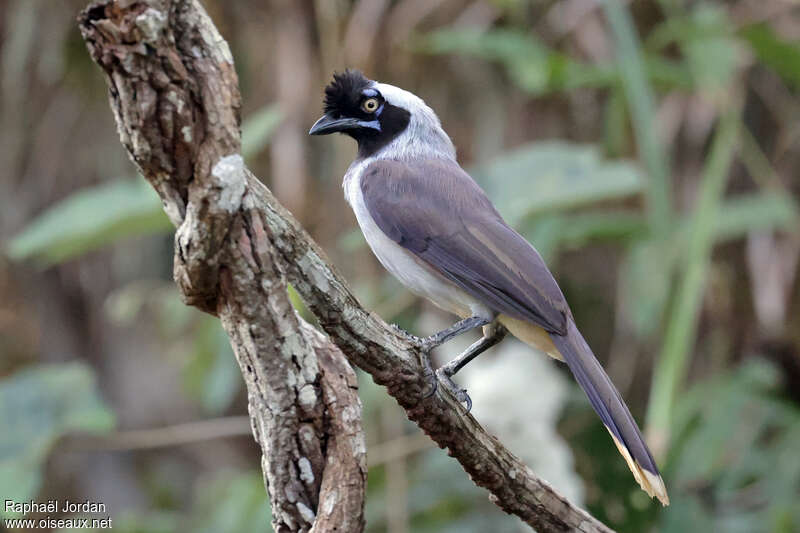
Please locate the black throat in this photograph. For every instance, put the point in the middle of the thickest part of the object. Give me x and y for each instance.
(393, 121)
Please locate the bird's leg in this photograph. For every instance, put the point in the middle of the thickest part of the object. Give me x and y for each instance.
(491, 336)
(429, 343)
(494, 335)
(462, 326)
(426, 344)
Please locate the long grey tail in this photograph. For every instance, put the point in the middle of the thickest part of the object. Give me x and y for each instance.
(612, 410)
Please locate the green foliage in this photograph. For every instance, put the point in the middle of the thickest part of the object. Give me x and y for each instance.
(530, 64)
(537, 69)
(649, 264)
(556, 175)
(662, 246)
(781, 56)
(756, 212)
(229, 502)
(710, 46)
(91, 218)
(706, 37)
(102, 214)
(729, 433)
(734, 466)
(210, 373)
(639, 96)
(37, 406)
(682, 326)
(554, 232)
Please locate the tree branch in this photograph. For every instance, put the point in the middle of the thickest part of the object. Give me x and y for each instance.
(175, 96)
(174, 93)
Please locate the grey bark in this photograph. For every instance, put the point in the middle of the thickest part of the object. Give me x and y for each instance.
(175, 96)
(174, 93)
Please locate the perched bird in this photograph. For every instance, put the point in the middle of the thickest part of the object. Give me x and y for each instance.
(434, 229)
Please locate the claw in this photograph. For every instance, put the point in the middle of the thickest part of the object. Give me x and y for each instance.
(434, 385)
(457, 392)
(429, 374)
(425, 346)
(467, 400)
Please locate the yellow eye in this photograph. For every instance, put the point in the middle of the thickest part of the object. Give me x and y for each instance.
(370, 105)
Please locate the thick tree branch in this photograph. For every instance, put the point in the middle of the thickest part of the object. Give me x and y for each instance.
(176, 99)
(174, 94)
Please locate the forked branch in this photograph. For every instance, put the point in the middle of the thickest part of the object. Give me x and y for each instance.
(175, 96)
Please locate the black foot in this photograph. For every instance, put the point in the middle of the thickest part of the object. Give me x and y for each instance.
(430, 376)
(450, 385)
(428, 372)
(425, 346)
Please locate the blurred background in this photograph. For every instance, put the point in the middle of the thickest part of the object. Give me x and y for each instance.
(649, 149)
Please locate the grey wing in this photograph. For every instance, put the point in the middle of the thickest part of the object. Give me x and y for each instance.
(435, 210)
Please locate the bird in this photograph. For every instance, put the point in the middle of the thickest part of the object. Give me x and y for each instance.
(432, 226)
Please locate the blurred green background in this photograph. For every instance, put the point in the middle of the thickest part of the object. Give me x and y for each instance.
(650, 150)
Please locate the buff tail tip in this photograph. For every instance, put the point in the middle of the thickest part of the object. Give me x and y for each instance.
(651, 482)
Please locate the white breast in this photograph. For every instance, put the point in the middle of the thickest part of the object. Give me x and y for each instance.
(404, 265)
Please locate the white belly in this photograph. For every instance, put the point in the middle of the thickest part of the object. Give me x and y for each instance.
(404, 265)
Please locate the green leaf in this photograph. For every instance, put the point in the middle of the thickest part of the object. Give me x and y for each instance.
(531, 65)
(753, 212)
(551, 232)
(712, 51)
(731, 432)
(577, 229)
(639, 95)
(495, 44)
(647, 269)
(537, 69)
(781, 56)
(37, 406)
(555, 176)
(97, 216)
(682, 326)
(667, 73)
(90, 218)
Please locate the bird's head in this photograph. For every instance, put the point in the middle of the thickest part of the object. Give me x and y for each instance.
(375, 114)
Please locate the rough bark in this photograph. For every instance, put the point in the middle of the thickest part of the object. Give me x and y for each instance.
(174, 93)
(175, 96)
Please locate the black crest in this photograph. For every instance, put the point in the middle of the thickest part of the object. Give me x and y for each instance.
(343, 94)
